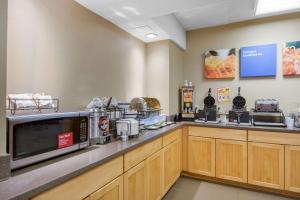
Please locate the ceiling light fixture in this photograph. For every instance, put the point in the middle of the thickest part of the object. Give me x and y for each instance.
(272, 6)
(151, 35)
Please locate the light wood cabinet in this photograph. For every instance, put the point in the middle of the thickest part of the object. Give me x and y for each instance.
(274, 137)
(220, 133)
(152, 147)
(266, 165)
(231, 160)
(135, 183)
(154, 167)
(184, 147)
(171, 164)
(292, 168)
(82, 186)
(111, 191)
(171, 137)
(134, 157)
(201, 155)
(139, 154)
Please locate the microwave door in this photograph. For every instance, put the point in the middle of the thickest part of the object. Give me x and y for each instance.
(39, 140)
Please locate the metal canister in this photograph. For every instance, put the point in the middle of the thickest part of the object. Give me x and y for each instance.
(94, 130)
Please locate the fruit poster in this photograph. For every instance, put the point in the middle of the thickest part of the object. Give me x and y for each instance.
(258, 61)
(291, 58)
(220, 64)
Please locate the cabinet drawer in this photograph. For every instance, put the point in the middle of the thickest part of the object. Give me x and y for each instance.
(134, 157)
(274, 137)
(171, 137)
(153, 147)
(220, 133)
(111, 191)
(85, 184)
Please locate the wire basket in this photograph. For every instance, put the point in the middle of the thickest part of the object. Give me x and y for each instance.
(14, 105)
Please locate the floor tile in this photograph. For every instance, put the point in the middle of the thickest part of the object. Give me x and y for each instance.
(191, 189)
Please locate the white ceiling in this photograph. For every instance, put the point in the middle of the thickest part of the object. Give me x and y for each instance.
(170, 19)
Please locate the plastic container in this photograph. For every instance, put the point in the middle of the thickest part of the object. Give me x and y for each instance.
(289, 122)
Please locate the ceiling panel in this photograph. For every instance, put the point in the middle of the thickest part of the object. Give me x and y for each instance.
(169, 19)
(216, 14)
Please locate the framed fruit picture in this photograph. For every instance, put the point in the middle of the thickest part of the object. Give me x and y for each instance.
(220, 64)
(291, 58)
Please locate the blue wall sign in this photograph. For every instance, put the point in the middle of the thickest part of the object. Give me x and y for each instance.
(256, 61)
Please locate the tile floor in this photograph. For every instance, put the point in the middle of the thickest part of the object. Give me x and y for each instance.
(190, 189)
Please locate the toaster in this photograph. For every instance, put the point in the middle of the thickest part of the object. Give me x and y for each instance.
(266, 105)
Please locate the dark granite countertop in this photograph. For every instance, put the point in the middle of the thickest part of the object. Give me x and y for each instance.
(33, 180)
(244, 127)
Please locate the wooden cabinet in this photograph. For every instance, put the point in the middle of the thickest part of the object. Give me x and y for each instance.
(220, 133)
(292, 168)
(171, 137)
(152, 147)
(184, 147)
(154, 167)
(266, 165)
(201, 155)
(82, 186)
(231, 160)
(274, 137)
(139, 154)
(135, 183)
(171, 164)
(111, 191)
(134, 157)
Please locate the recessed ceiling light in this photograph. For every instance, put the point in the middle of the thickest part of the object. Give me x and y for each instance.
(151, 35)
(272, 6)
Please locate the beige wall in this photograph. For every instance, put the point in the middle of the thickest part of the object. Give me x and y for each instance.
(61, 48)
(264, 31)
(3, 43)
(164, 73)
(157, 73)
(176, 76)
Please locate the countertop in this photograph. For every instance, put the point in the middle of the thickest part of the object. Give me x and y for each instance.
(28, 182)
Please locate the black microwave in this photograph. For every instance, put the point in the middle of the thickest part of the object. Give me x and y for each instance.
(33, 138)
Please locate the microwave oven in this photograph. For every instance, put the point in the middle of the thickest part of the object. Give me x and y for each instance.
(33, 138)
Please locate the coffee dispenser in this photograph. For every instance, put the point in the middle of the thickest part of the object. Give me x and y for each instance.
(187, 107)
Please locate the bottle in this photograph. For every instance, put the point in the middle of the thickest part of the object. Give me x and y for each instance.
(185, 83)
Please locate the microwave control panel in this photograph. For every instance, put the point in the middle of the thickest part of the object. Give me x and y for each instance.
(83, 129)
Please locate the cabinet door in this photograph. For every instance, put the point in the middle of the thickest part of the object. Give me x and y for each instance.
(112, 191)
(266, 165)
(231, 160)
(201, 155)
(171, 164)
(154, 176)
(292, 168)
(135, 183)
(85, 184)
